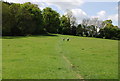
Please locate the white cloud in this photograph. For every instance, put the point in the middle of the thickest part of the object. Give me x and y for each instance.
(46, 1)
(64, 4)
(21, 1)
(101, 13)
(15, 1)
(113, 17)
(79, 14)
(101, 0)
(68, 5)
(57, 1)
(61, 4)
(116, 7)
(42, 5)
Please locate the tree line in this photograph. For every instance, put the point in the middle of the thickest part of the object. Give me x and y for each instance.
(29, 19)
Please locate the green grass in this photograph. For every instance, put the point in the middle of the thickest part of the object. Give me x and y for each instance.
(49, 57)
(0, 59)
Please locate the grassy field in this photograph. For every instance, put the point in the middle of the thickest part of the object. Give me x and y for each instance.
(49, 57)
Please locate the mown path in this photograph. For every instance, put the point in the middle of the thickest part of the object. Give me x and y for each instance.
(62, 53)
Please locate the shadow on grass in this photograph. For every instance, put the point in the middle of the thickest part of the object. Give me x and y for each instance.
(12, 37)
(45, 35)
(16, 37)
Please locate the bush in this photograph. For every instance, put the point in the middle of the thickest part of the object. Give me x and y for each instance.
(115, 38)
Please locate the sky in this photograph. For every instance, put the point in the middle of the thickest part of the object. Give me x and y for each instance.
(102, 9)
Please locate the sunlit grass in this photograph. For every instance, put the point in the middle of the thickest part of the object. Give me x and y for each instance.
(41, 57)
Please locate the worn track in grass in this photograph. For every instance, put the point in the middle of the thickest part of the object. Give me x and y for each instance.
(71, 66)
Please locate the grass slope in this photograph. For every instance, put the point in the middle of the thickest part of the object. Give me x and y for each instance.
(49, 57)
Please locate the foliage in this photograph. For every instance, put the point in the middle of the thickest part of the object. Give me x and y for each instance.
(109, 31)
(65, 25)
(79, 30)
(28, 19)
(22, 19)
(51, 20)
(6, 20)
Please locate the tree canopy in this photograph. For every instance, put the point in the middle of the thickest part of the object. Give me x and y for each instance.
(51, 20)
(29, 19)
